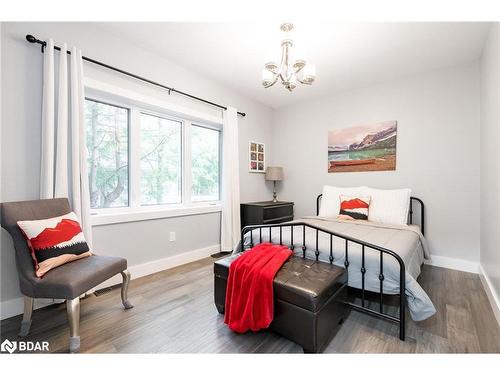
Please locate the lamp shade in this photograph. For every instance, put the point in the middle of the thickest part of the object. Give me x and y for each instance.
(274, 173)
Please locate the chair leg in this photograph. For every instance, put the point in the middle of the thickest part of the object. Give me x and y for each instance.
(26, 323)
(73, 309)
(126, 281)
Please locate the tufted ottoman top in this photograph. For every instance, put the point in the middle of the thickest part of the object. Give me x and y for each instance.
(301, 282)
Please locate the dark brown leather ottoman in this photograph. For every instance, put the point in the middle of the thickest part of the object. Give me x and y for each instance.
(308, 300)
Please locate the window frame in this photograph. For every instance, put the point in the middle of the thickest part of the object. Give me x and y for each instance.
(135, 211)
(129, 121)
(213, 128)
(138, 171)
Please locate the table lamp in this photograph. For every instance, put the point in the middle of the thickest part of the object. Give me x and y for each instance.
(274, 174)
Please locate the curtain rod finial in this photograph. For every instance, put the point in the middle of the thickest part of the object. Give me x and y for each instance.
(30, 38)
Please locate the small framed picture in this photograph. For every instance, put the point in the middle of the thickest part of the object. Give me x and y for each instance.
(256, 157)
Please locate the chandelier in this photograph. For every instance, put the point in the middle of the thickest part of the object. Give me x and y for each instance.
(289, 72)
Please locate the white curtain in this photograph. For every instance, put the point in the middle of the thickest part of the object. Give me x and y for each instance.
(64, 152)
(230, 223)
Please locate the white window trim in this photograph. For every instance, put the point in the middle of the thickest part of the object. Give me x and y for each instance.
(95, 87)
(186, 162)
(137, 103)
(127, 214)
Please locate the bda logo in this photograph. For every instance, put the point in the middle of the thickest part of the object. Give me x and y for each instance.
(8, 346)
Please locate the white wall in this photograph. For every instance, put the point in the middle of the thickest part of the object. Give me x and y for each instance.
(20, 145)
(437, 150)
(490, 163)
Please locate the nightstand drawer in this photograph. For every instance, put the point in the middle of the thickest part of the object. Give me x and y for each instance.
(277, 220)
(276, 212)
(266, 213)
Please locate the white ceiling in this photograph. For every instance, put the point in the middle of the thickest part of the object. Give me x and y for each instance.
(346, 55)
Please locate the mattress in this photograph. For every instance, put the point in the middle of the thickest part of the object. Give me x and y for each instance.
(405, 240)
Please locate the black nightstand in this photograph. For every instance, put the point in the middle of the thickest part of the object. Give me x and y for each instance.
(266, 213)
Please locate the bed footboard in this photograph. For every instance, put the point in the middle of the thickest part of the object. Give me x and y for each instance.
(301, 243)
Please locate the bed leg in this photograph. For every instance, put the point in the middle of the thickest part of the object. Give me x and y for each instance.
(402, 323)
(309, 351)
(402, 301)
(220, 308)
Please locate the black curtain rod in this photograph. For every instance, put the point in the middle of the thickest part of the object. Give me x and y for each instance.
(30, 38)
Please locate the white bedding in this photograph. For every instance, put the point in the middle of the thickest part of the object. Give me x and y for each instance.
(406, 241)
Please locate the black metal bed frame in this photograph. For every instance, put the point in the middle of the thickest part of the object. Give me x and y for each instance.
(364, 245)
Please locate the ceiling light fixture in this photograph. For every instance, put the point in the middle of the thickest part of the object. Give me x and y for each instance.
(290, 72)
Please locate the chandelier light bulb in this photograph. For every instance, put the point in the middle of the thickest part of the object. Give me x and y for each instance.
(309, 73)
(267, 77)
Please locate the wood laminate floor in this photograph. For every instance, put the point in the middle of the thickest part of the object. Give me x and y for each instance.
(174, 312)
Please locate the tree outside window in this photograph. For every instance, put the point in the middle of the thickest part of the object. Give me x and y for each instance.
(107, 145)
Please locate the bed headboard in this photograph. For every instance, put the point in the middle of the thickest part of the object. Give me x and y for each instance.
(410, 213)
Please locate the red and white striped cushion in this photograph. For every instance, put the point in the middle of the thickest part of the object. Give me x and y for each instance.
(54, 241)
(354, 207)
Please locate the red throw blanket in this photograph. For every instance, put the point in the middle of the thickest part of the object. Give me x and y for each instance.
(249, 294)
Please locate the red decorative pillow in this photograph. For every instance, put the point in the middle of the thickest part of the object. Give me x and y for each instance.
(354, 207)
(54, 241)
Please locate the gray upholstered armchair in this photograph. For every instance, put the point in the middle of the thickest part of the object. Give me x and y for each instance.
(68, 281)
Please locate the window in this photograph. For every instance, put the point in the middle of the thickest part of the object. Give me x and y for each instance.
(139, 158)
(107, 145)
(161, 168)
(205, 163)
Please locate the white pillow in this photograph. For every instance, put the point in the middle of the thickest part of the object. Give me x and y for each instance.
(330, 201)
(388, 206)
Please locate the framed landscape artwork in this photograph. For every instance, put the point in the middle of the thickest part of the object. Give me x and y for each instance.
(256, 157)
(363, 148)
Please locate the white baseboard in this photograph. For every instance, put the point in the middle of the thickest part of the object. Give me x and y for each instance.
(490, 292)
(15, 306)
(453, 263)
(158, 265)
